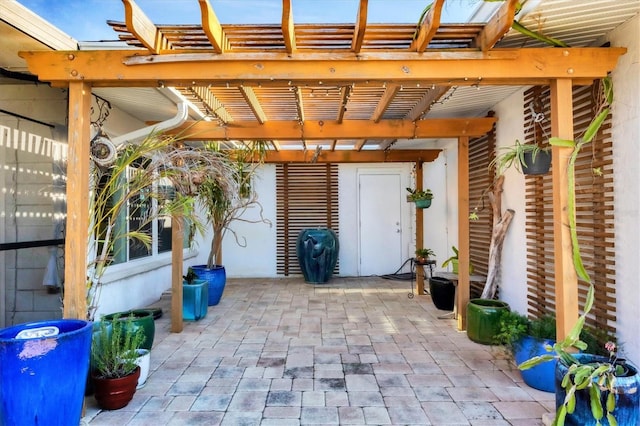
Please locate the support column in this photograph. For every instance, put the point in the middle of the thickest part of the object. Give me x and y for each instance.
(419, 230)
(77, 229)
(463, 292)
(177, 241)
(565, 275)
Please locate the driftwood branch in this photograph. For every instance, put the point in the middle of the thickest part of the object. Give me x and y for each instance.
(500, 225)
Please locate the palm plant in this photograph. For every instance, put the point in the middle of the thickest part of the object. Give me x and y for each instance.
(226, 201)
(135, 184)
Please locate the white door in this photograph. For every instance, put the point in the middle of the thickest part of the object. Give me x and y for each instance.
(380, 223)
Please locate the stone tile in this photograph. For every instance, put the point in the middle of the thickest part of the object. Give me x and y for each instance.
(472, 394)
(408, 416)
(365, 399)
(361, 382)
(319, 416)
(376, 416)
(520, 410)
(284, 398)
(351, 415)
(313, 398)
(211, 403)
(248, 401)
(282, 412)
(444, 413)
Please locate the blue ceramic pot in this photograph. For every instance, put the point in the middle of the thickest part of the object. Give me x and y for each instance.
(627, 412)
(195, 300)
(541, 376)
(42, 379)
(217, 279)
(317, 250)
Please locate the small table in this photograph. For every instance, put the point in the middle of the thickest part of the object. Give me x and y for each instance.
(414, 269)
(454, 278)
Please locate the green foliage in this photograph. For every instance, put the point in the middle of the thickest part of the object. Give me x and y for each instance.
(597, 376)
(424, 252)
(415, 194)
(514, 156)
(113, 348)
(512, 326)
(452, 258)
(191, 276)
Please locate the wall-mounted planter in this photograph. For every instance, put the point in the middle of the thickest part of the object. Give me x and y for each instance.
(423, 204)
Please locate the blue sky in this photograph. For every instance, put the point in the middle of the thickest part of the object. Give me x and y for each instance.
(85, 20)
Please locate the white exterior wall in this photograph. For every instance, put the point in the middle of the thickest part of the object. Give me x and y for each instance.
(626, 135)
(626, 160)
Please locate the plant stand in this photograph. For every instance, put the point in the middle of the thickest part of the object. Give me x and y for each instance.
(414, 270)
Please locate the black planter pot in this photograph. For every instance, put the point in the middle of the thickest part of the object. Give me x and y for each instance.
(541, 164)
(443, 293)
(627, 396)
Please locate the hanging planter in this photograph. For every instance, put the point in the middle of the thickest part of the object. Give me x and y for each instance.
(422, 198)
(536, 164)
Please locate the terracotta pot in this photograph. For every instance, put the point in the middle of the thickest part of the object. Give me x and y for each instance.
(113, 394)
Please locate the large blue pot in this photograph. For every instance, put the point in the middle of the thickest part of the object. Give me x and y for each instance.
(627, 412)
(317, 250)
(217, 279)
(42, 379)
(541, 376)
(195, 300)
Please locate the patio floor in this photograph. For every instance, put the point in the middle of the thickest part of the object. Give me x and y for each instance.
(353, 351)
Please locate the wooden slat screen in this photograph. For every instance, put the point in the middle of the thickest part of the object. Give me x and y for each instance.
(594, 202)
(480, 178)
(306, 197)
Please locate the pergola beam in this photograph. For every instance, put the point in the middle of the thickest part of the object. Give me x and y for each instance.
(360, 28)
(428, 27)
(377, 156)
(384, 101)
(212, 28)
(498, 26)
(143, 28)
(250, 97)
(288, 28)
(325, 129)
(118, 68)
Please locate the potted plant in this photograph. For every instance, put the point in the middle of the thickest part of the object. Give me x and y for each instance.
(422, 198)
(225, 201)
(526, 338)
(591, 389)
(453, 260)
(528, 158)
(195, 296)
(423, 255)
(114, 368)
(132, 175)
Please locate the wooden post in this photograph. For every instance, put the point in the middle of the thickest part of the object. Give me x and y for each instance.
(419, 231)
(177, 241)
(77, 231)
(566, 279)
(463, 291)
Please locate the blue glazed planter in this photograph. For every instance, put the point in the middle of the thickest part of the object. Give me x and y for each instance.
(317, 250)
(195, 300)
(627, 396)
(217, 279)
(42, 379)
(541, 376)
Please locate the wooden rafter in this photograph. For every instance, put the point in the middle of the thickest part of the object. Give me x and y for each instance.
(428, 27)
(345, 92)
(249, 95)
(425, 103)
(360, 28)
(299, 103)
(210, 102)
(498, 26)
(385, 100)
(118, 68)
(212, 28)
(359, 144)
(386, 143)
(143, 28)
(331, 129)
(288, 27)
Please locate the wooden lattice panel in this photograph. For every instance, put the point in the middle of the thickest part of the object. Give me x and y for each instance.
(307, 197)
(594, 213)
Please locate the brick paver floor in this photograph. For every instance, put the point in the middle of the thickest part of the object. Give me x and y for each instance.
(354, 351)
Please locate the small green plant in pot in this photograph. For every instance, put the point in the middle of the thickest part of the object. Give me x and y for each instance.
(114, 367)
(423, 255)
(421, 197)
(525, 338)
(453, 260)
(527, 158)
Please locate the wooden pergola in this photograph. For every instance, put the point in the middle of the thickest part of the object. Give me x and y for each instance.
(358, 85)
